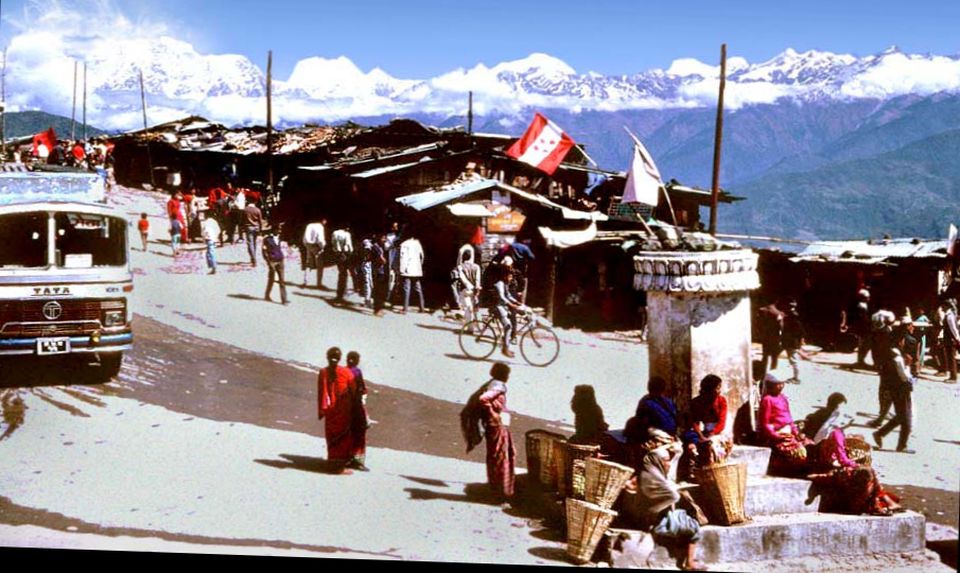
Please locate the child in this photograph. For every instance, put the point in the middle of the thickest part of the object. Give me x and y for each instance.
(144, 226)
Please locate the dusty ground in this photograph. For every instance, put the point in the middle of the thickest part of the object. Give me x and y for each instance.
(212, 424)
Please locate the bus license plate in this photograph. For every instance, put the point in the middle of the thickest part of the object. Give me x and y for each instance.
(59, 345)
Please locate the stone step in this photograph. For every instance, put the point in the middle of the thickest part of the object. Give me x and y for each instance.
(756, 458)
(787, 536)
(772, 495)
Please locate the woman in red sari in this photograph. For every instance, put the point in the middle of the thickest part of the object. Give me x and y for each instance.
(488, 408)
(338, 396)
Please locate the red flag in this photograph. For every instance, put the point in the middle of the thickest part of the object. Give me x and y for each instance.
(544, 145)
(48, 138)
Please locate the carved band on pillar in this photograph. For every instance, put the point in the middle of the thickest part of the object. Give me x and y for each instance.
(714, 271)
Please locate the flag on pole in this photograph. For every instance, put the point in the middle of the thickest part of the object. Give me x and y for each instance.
(643, 180)
(47, 138)
(543, 145)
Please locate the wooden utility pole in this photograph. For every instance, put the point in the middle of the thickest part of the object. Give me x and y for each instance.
(715, 198)
(143, 104)
(84, 101)
(73, 113)
(3, 107)
(269, 124)
(470, 115)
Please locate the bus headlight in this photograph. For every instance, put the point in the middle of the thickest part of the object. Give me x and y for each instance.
(113, 318)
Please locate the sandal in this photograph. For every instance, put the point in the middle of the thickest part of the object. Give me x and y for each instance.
(699, 567)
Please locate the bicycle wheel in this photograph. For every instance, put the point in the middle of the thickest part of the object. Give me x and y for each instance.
(477, 339)
(540, 346)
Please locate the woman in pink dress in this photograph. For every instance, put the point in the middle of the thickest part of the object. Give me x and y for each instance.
(487, 408)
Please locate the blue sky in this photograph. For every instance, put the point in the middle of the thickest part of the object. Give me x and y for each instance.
(419, 39)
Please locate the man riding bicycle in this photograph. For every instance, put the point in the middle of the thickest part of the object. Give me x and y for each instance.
(506, 307)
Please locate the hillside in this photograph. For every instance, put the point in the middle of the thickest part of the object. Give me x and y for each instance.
(911, 191)
(26, 123)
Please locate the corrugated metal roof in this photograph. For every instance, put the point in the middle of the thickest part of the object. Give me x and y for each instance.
(869, 250)
(432, 198)
(469, 210)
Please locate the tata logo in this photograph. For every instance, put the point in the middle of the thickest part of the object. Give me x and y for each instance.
(52, 310)
(51, 291)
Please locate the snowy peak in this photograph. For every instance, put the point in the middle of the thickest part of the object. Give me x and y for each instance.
(230, 88)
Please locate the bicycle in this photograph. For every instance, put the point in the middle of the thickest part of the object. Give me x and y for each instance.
(539, 344)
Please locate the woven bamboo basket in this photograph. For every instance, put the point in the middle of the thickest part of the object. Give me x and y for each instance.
(858, 450)
(604, 480)
(574, 471)
(540, 456)
(586, 524)
(560, 467)
(723, 489)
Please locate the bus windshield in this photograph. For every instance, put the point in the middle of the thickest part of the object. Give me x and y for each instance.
(86, 240)
(23, 240)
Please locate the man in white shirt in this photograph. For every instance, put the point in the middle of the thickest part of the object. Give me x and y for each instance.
(314, 241)
(411, 270)
(342, 244)
(210, 231)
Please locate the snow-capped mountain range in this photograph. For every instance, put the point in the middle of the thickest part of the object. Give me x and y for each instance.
(231, 89)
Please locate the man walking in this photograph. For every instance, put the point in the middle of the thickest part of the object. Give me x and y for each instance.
(411, 270)
(210, 231)
(381, 275)
(902, 395)
(253, 224)
(792, 338)
(951, 338)
(856, 320)
(770, 322)
(273, 255)
(314, 241)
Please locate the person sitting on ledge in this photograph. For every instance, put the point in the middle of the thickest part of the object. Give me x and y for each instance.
(655, 410)
(844, 485)
(708, 418)
(775, 428)
(588, 416)
(654, 506)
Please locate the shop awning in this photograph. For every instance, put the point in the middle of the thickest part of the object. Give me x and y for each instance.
(469, 210)
(564, 239)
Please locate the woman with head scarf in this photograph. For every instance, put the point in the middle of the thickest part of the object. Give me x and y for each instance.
(656, 498)
(487, 409)
(588, 422)
(337, 396)
(777, 430)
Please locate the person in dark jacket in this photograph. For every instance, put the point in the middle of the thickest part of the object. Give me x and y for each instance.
(792, 338)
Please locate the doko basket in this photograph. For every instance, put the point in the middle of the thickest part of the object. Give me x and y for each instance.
(540, 456)
(586, 524)
(560, 467)
(604, 481)
(723, 489)
(858, 450)
(574, 471)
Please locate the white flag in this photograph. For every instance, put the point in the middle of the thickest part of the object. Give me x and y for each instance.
(643, 180)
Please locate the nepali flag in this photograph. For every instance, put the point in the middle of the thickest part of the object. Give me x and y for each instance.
(47, 138)
(543, 145)
(643, 180)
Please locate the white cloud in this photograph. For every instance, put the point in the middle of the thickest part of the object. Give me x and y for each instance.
(898, 74)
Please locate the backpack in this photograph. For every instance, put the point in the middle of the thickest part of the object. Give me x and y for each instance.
(272, 251)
